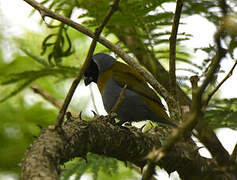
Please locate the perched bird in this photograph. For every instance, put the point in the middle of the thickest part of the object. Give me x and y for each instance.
(140, 101)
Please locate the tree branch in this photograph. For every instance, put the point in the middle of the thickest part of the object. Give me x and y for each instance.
(228, 75)
(220, 154)
(119, 100)
(174, 108)
(150, 171)
(234, 153)
(196, 114)
(176, 112)
(51, 149)
(48, 97)
(172, 52)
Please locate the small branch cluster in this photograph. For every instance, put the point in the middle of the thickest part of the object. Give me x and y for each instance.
(197, 100)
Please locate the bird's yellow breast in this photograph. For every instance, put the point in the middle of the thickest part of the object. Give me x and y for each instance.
(103, 80)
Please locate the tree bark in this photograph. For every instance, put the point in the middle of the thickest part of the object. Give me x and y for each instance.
(78, 137)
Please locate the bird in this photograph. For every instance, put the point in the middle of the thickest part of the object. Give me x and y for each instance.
(140, 100)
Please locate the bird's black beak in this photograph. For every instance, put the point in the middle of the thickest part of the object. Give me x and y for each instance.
(87, 80)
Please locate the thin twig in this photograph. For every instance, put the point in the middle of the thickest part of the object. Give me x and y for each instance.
(224, 7)
(150, 171)
(119, 100)
(215, 63)
(194, 82)
(116, 49)
(71, 91)
(234, 153)
(172, 51)
(229, 74)
(174, 108)
(48, 97)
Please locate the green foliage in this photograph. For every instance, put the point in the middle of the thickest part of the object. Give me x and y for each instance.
(23, 70)
(22, 114)
(146, 20)
(20, 80)
(100, 167)
(58, 51)
(222, 113)
(18, 127)
(58, 43)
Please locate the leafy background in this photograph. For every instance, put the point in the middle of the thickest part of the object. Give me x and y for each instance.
(52, 57)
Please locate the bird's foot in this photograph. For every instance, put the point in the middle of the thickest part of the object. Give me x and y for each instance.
(112, 117)
(95, 114)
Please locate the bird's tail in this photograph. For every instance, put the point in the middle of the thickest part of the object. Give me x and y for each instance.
(159, 114)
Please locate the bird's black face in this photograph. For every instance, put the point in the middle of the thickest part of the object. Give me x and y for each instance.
(91, 74)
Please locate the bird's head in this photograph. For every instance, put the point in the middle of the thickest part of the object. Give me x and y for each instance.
(99, 63)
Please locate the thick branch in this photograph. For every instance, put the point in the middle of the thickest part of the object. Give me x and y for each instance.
(79, 137)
